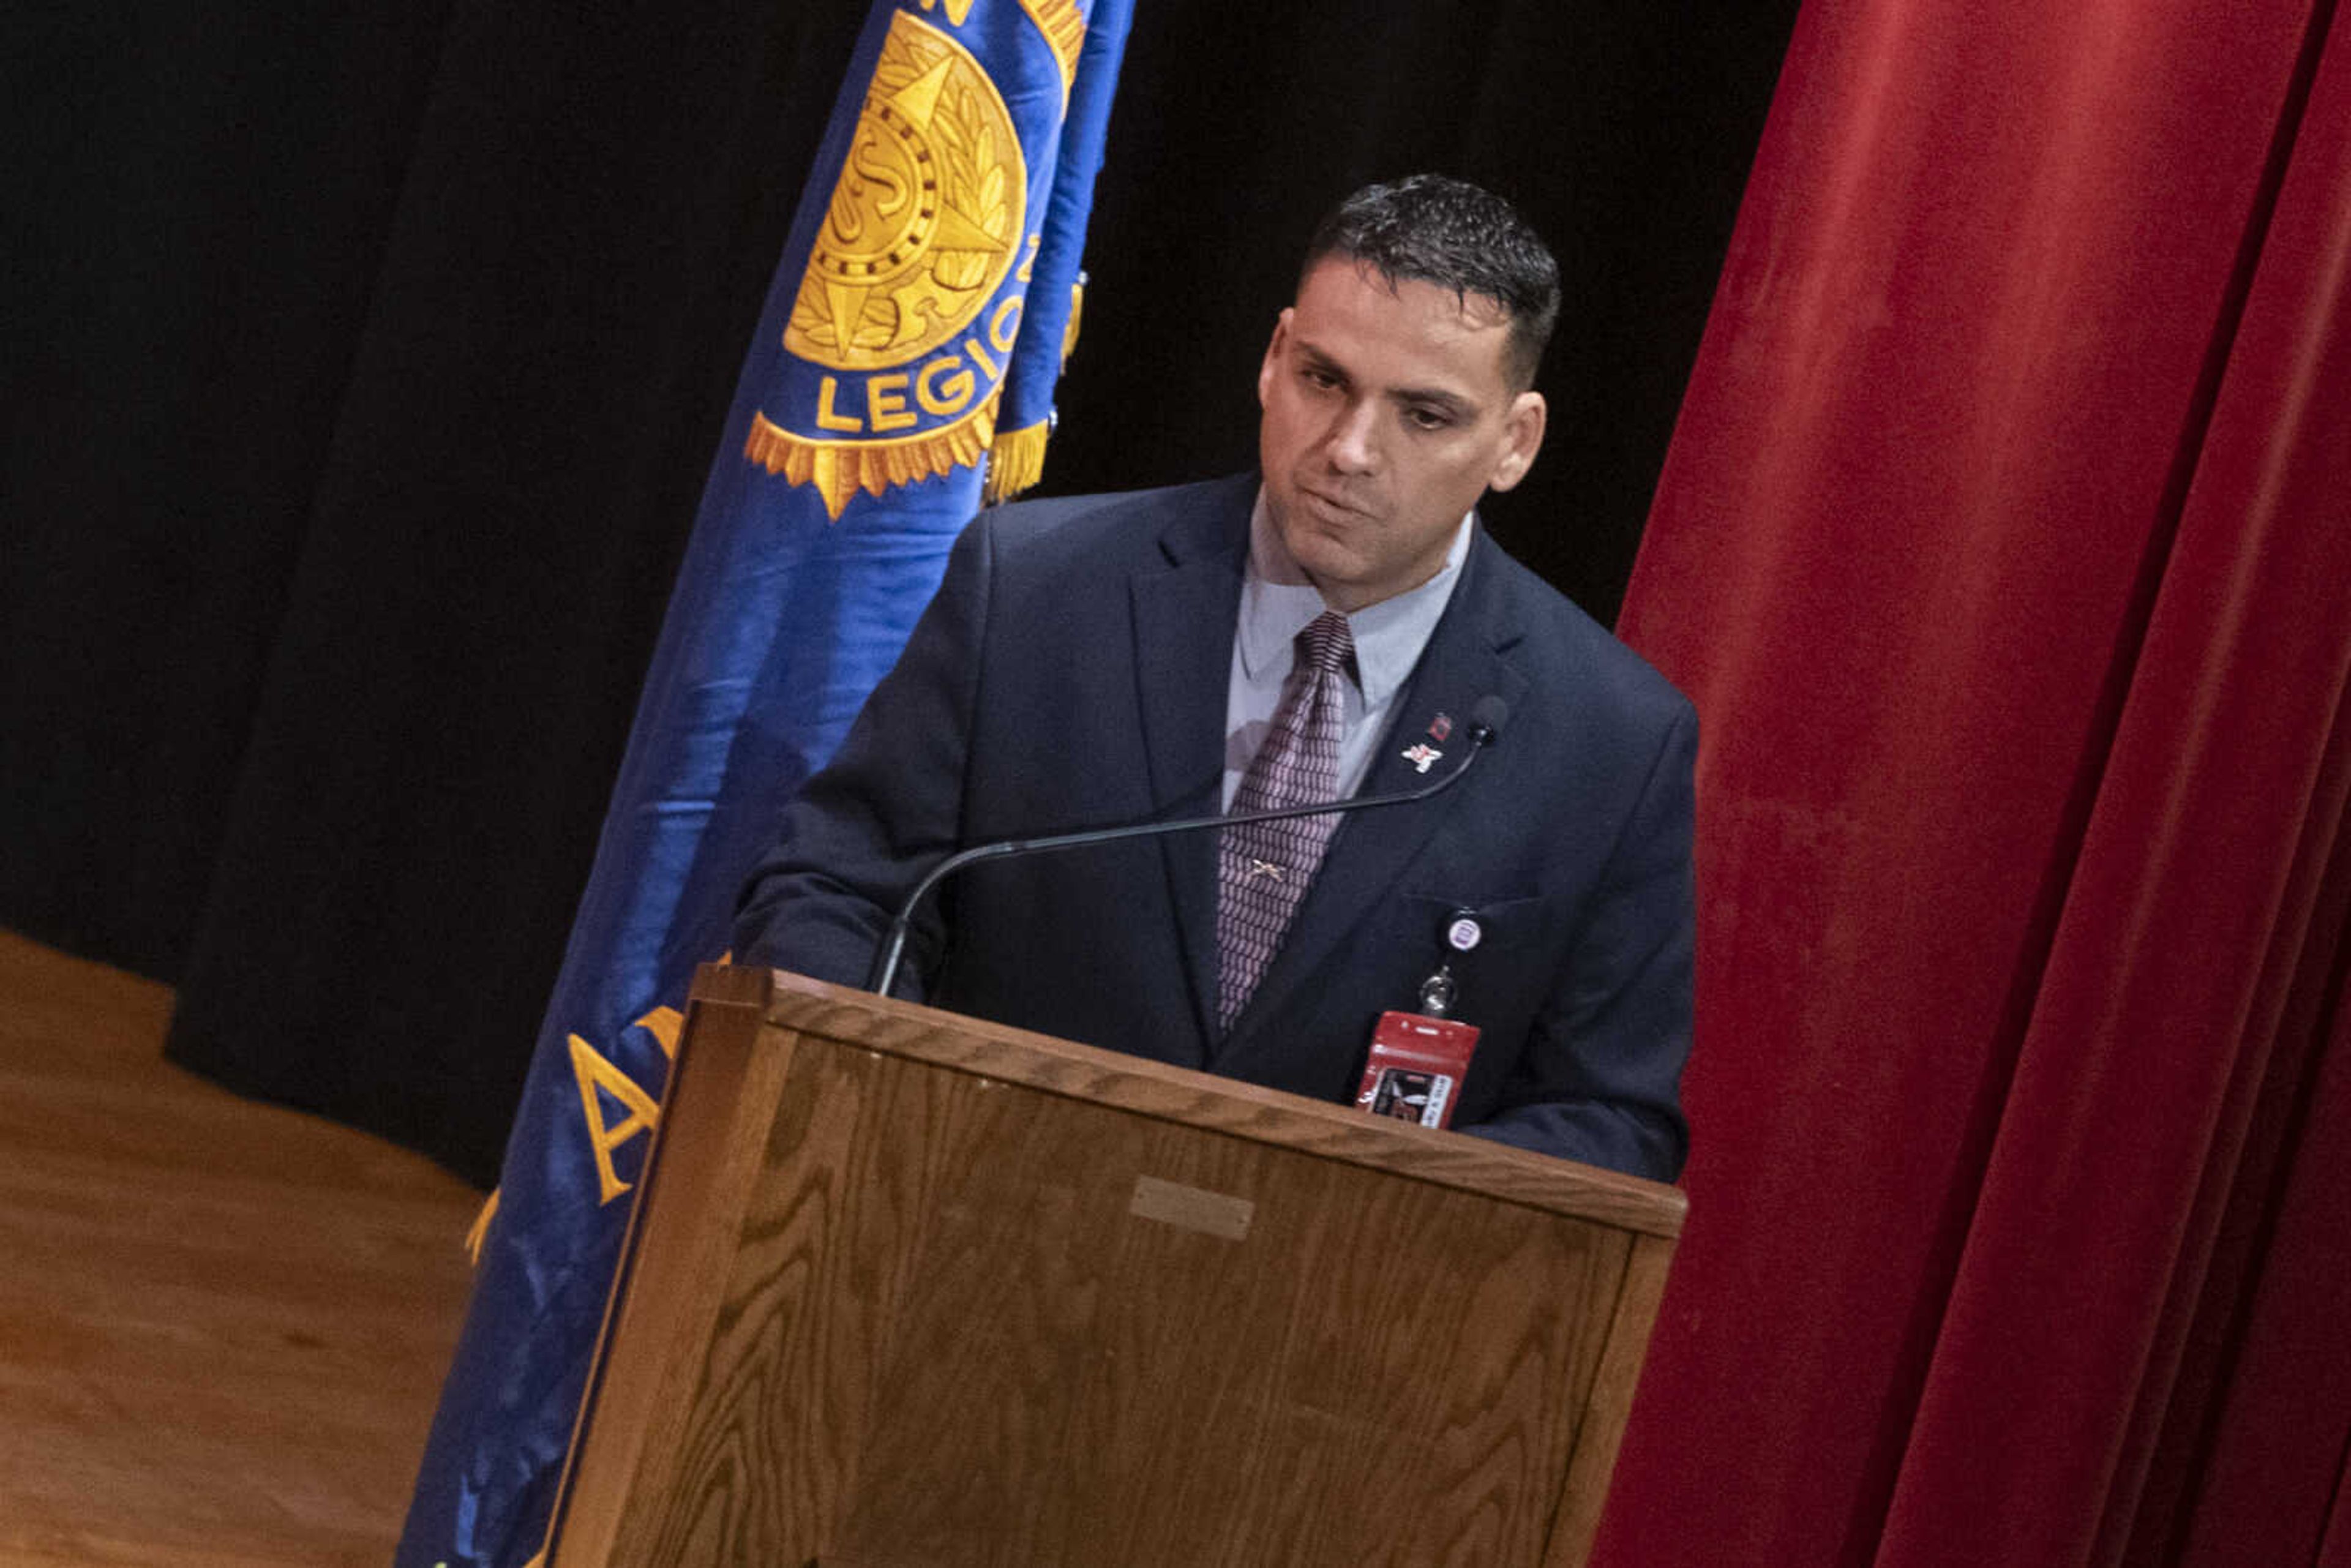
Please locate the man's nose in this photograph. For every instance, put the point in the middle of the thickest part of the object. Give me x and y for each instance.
(1353, 445)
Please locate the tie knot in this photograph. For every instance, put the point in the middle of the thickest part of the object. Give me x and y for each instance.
(1327, 643)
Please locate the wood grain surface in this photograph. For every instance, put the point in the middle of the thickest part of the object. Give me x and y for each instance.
(223, 1324)
(1333, 1132)
(997, 1307)
(681, 1240)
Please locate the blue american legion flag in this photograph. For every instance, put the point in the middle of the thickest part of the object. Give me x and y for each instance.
(910, 344)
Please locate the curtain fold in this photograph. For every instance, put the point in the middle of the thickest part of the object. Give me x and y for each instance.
(2251, 1468)
(2167, 1462)
(2200, 857)
(192, 209)
(2001, 544)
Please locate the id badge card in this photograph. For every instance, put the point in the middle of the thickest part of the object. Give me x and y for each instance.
(1416, 1066)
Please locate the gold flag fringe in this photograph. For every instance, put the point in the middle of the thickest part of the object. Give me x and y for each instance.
(480, 1230)
(1077, 314)
(838, 469)
(1015, 461)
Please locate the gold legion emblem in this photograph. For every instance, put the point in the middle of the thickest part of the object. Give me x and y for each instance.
(925, 218)
(924, 224)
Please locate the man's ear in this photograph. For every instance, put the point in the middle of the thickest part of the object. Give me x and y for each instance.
(1267, 368)
(1522, 433)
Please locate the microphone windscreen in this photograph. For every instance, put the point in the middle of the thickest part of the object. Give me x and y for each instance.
(1489, 714)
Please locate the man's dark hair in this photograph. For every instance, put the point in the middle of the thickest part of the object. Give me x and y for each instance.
(1434, 229)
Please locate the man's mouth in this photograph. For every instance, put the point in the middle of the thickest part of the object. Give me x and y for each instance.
(1331, 503)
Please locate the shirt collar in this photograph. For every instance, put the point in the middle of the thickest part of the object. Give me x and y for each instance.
(1278, 602)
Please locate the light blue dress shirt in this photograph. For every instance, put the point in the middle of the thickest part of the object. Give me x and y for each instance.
(1277, 602)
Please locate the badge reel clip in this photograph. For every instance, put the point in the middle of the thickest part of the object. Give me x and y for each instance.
(1417, 1059)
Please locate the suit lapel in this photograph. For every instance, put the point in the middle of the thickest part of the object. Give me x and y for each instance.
(1184, 614)
(1462, 664)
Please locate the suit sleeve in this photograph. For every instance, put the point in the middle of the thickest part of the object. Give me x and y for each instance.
(1600, 1078)
(863, 830)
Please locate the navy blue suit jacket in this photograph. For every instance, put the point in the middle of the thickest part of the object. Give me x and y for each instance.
(1071, 672)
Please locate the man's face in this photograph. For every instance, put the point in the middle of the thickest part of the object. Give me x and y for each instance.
(1389, 408)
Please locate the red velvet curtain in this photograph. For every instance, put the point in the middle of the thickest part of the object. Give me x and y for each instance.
(2005, 547)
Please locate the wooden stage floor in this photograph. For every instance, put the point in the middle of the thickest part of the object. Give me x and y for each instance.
(222, 1325)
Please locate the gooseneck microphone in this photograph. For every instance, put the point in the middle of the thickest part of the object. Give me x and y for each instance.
(1485, 720)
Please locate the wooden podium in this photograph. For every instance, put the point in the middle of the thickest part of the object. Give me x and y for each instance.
(908, 1291)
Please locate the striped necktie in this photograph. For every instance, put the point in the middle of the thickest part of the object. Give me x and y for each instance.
(1263, 868)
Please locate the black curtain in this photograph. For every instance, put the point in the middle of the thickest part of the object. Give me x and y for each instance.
(363, 363)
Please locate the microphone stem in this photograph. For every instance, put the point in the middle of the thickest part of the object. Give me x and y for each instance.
(884, 972)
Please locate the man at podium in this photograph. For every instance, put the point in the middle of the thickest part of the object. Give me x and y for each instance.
(1336, 625)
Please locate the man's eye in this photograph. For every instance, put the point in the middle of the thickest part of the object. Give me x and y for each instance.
(1315, 376)
(1428, 419)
